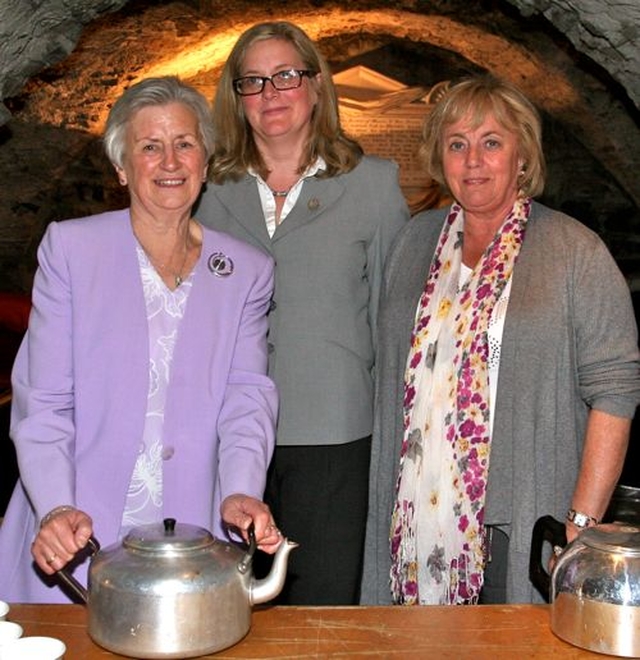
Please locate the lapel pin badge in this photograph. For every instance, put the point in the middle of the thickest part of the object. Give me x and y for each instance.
(220, 264)
(313, 204)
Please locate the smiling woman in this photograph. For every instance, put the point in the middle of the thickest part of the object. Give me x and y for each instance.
(163, 168)
(143, 361)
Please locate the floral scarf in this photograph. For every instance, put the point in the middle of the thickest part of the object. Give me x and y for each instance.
(437, 531)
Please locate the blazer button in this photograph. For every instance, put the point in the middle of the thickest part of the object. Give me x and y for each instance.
(270, 348)
(167, 453)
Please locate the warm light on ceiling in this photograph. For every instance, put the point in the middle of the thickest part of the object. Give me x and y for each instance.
(202, 53)
(208, 54)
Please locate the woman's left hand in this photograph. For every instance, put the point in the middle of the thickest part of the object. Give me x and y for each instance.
(239, 511)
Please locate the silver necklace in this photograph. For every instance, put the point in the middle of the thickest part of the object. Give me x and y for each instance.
(280, 193)
(177, 277)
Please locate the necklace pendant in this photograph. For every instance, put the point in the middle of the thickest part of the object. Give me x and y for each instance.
(178, 280)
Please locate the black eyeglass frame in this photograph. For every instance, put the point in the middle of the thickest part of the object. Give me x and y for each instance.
(301, 74)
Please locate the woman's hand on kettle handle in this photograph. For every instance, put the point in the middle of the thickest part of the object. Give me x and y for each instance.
(63, 532)
(239, 511)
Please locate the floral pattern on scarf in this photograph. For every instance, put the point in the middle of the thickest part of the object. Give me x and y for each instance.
(437, 531)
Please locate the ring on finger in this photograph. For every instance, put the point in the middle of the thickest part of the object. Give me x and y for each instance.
(51, 559)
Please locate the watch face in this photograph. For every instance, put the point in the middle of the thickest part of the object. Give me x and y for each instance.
(580, 519)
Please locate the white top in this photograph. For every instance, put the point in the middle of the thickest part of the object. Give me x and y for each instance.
(268, 199)
(494, 336)
(165, 309)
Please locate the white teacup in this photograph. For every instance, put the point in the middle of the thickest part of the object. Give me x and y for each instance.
(33, 648)
(9, 631)
(4, 610)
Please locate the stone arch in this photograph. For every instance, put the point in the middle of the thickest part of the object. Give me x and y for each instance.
(544, 71)
(544, 82)
(148, 38)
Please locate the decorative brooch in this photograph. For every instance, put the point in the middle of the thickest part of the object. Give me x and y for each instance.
(220, 264)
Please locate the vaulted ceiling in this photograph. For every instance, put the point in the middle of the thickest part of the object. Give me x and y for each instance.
(64, 62)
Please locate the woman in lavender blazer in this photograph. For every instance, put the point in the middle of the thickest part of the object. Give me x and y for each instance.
(140, 390)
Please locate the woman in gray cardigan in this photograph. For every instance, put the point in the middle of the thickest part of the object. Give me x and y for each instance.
(285, 178)
(508, 368)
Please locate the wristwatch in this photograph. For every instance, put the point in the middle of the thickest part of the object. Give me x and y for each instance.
(581, 520)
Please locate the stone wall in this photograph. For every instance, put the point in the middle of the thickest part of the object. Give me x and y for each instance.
(50, 155)
(31, 39)
(36, 35)
(608, 32)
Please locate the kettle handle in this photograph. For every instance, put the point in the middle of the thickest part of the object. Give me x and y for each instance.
(64, 576)
(245, 562)
(548, 529)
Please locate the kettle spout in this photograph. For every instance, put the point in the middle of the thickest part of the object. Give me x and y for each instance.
(268, 588)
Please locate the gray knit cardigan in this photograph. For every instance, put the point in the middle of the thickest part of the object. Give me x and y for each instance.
(569, 344)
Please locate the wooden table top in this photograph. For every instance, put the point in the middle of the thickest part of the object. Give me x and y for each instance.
(480, 632)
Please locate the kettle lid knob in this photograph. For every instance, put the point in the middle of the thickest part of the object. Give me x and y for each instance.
(167, 536)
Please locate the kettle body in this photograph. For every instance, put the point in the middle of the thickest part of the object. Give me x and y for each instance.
(594, 589)
(174, 591)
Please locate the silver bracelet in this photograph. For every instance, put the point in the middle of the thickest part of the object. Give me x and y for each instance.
(54, 512)
(581, 520)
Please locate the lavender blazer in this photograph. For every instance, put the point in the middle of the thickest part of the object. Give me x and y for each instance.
(80, 384)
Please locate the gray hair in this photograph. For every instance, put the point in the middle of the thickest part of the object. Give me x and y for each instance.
(152, 92)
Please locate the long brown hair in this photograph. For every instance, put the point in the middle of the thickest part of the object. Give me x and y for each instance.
(235, 149)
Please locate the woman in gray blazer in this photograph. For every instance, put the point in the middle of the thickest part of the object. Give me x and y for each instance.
(285, 178)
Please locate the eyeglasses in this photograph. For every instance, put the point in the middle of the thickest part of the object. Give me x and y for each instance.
(282, 80)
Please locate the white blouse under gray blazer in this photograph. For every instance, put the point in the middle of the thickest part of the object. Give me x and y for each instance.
(329, 252)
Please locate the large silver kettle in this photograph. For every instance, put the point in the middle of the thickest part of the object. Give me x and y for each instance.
(594, 586)
(172, 590)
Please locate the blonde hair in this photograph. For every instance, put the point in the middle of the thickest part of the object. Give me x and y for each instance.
(476, 98)
(235, 150)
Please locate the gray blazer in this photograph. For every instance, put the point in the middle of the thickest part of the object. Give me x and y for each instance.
(329, 252)
(569, 344)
